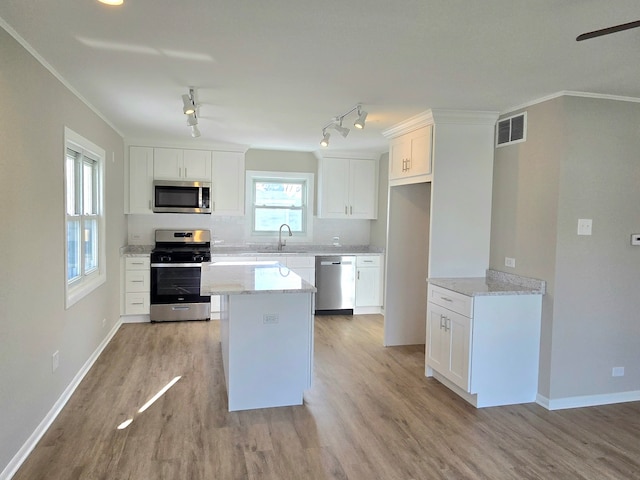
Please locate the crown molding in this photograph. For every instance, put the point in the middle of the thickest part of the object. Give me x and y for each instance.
(570, 93)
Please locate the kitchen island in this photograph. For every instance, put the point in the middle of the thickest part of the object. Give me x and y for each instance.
(266, 332)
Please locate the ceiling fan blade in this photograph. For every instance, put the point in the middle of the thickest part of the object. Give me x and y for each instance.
(607, 31)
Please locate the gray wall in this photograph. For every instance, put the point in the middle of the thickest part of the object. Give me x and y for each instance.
(580, 160)
(34, 109)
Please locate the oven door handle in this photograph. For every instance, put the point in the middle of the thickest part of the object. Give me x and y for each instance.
(173, 265)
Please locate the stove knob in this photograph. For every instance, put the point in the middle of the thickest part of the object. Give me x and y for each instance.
(165, 259)
(198, 258)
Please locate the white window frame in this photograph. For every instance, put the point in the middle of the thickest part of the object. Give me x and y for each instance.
(80, 287)
(307, 177)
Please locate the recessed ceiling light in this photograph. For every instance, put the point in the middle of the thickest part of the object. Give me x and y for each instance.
(112, 2)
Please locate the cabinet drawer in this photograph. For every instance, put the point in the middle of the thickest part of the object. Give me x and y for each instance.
(137, 281)
(368, 261)
(136, 304)
(137, 263)
(454, 301)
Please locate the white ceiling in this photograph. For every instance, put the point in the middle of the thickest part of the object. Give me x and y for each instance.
(272, 74)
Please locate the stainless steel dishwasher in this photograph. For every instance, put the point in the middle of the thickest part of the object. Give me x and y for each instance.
(336, 284)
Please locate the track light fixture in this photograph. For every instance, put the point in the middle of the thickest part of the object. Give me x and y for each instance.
(362, 116)
(325, 138)
(189, 103)
(189, 108)
(336, 124)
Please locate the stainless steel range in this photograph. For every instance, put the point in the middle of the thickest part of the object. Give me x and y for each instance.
(176, 263)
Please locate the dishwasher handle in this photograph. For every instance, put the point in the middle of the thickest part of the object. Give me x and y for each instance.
(339, 262)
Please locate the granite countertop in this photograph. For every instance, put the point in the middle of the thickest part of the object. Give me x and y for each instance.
(267, 249)
(233, 278)
(293, 249)
(135, 250)
(494, 283)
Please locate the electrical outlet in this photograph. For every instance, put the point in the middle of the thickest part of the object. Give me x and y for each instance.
(509, 262)
(635, 239)
(617, 372)
(584, 226)
(55, 361)
(270, 318)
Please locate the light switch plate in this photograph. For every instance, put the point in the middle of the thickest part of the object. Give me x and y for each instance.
(584, 226)
(509, 262)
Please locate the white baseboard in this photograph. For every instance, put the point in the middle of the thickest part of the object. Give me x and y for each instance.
(134, 319)
(587, 400)
(19, 458)
(367, 311)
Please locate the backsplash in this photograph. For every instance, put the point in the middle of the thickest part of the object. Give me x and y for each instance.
(231, 230)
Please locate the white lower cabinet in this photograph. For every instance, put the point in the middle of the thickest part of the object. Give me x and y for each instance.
(369, 281)
(486, 347)
(137, 280)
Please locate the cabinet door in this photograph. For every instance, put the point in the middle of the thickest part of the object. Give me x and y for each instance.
(368, 287)
(437, 339)
(140, 180)
(363, 189)
(196, 165)
(334, 188)
(167, 164)
(228, 183)
(459, 331)
(420, 159)
(399, 153)
(449, 344)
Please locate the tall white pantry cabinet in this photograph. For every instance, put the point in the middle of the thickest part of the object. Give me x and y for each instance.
(439, 210)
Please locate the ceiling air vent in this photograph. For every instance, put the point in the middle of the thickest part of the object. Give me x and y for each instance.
(511, 130)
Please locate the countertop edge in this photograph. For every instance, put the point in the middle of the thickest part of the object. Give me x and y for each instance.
(493, 284)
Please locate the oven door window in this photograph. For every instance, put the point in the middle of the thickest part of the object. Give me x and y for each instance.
(173, 284)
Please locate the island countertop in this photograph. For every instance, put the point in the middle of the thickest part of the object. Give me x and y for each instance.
(253, 277)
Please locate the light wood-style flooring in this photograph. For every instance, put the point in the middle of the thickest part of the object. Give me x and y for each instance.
(371, 414)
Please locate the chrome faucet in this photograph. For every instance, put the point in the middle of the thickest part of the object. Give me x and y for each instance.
(282, 243)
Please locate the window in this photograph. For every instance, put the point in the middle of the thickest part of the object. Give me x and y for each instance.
(280, 197)
(84, 217)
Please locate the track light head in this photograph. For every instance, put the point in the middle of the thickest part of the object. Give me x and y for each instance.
(362, 116)
(344, 131)
(189, 103)
(192, 119)
(325, 139)
(195, 131)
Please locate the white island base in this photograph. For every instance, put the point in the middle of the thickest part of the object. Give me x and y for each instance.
(267, 348)
(266, 332)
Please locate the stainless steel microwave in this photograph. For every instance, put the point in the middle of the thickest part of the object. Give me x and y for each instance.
(175, 196)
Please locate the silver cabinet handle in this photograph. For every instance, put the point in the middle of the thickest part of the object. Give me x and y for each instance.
(446, 299)
(442, 320)
(186, 175)
(447, 324)
(351, 210)
(345, 210)
(358, 274)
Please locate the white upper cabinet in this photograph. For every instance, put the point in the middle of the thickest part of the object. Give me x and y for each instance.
(410, 157)
(178, 164)
(228, 183)
(140, 180)
(347, 188)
